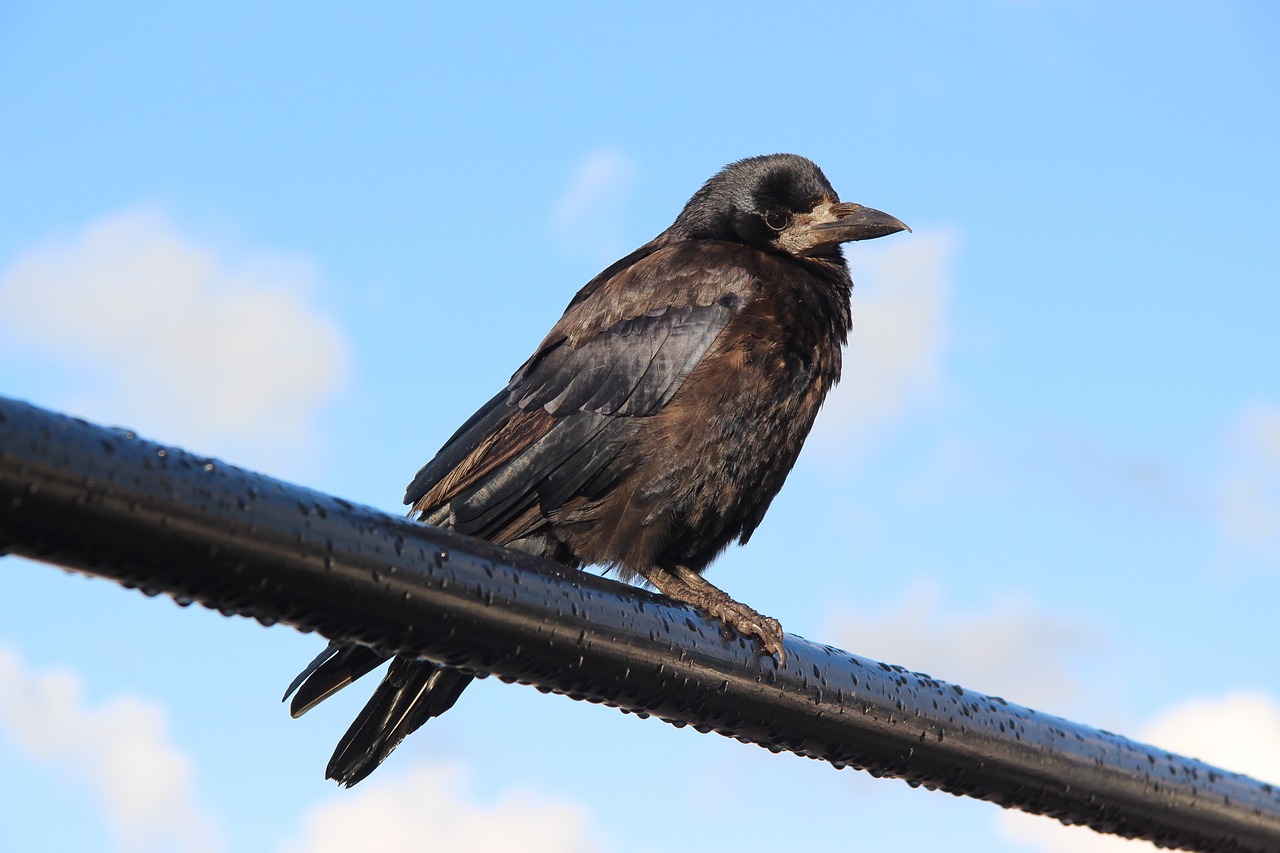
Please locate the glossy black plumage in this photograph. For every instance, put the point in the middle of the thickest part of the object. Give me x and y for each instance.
(653, 425)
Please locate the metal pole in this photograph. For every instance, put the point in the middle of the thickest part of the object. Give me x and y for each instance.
(163, 520)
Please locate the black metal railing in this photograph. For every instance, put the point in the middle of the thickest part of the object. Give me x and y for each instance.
(163, 520)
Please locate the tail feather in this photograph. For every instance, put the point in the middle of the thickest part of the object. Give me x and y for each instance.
(412, 692)
(333, 669)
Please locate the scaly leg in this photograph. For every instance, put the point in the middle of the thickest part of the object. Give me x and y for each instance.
(686, 585)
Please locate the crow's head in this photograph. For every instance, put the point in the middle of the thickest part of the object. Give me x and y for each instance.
(779, 203)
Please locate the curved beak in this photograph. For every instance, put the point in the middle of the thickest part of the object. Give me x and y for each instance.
(850, 222)
(832, 223)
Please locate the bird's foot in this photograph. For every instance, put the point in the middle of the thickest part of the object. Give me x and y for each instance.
(750, 623)
(690, 587)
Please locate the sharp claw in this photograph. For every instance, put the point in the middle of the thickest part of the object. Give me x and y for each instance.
(772, 641)
(688, 586)
(772, 649)
(766, 630)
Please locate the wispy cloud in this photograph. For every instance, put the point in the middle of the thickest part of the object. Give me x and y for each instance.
(431, 808)
(120, 749)
(588, 217)
(1012, 648)
(894, 359)
(1249, 496)
(1238, 732)
(168, 336)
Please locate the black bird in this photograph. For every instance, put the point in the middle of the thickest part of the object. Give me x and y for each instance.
(651, 428)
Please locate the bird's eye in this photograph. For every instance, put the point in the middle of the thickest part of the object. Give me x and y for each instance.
(777, 219)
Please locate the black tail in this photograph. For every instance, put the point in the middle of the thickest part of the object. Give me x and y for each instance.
(411, 693)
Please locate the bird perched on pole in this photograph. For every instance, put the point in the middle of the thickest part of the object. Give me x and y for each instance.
(652, 426)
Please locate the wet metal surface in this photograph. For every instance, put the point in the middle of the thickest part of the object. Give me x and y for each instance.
(162, 520)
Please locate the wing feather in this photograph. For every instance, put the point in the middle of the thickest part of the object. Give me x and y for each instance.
(617, 355)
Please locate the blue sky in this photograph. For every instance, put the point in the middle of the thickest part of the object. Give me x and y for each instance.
(311, 240)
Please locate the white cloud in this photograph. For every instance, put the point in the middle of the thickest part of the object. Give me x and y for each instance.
(588, 216)
(1239, 732)
(1013, 648)
(900, 335)
(1249, 497)
(169, 337)
(430, 807)
(121, 750)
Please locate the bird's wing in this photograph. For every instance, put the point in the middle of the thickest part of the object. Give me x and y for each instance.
(616, 356)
